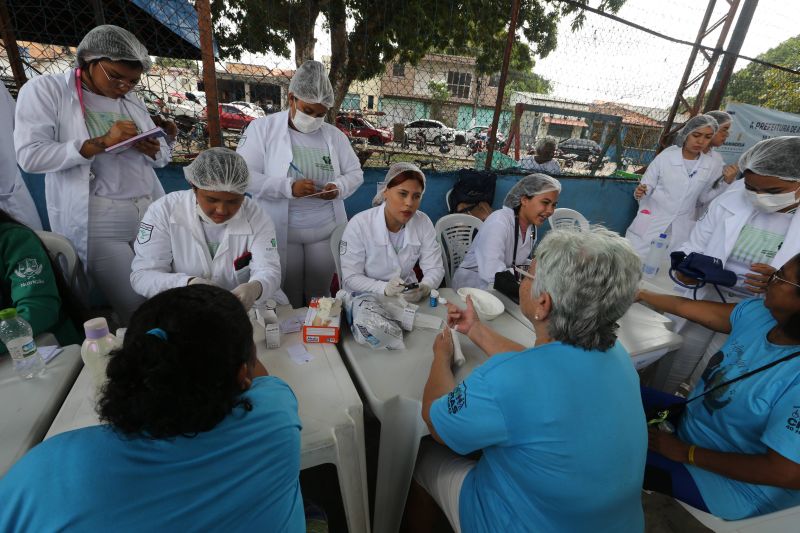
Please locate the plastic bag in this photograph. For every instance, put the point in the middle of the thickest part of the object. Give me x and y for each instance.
(371, 324)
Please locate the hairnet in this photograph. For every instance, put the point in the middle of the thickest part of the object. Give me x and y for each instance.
(544, 141)
(310, 84)
(779, 157)
(218, 169)
(114, 43)
(695, 123)
(720, 116)
(528, 186)
(395, 170)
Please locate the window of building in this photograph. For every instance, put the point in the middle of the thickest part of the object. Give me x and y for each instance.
(494, 80)
(458, 84)
(399, 70)
(370, 102)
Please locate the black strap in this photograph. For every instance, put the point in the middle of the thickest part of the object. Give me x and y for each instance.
(516, 241)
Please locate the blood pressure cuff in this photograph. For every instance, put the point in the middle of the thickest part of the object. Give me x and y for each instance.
(704, 268)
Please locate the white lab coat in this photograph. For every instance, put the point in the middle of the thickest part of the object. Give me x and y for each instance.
(171, 248)
(705, 199)
(491, 251)
(716, 233)
(671, 199)
(14, 196)
(50, 131)
(369, 261)
(267, 148)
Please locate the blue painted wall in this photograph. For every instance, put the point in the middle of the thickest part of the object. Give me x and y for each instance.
(603, 201)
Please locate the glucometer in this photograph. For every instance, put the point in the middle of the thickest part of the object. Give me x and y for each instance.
(410, 287)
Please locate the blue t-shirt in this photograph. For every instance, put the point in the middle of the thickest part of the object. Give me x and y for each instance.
(759, 412)
(240, 476)
(564, 441)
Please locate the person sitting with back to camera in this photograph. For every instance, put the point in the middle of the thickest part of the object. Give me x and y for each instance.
(562, 449)
(381, 246)
(198, 436)
(211, 234)
(542, 162)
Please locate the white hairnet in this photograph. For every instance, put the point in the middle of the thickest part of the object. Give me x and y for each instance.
(695, 123)
(547, 140)
(310, 84)
(720, 116)
(778, 157)
(218, 169)
(395, 170)
(113, 43)
(528, 186)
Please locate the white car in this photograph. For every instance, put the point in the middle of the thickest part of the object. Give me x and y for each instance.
(432, 130)
(476, 133)
(179, 106)
(256, 109)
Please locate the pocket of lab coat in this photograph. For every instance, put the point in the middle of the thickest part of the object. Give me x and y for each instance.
(641, 223)
(243, 275)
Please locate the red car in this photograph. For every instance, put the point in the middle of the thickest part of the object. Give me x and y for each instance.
(232, 118)
(358, 126)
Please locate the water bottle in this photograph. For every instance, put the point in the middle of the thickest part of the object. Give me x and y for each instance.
(95, 349)
(17, 335)
(652, 263)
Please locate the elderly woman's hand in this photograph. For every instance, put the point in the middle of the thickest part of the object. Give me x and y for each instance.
(443, 345)
(463, 320)
(667, 444)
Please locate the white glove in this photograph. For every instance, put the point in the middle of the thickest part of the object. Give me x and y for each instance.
(417, 294)
(248, 293)
(394, 287)
(201, 281)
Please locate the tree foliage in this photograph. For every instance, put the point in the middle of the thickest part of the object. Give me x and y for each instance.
(768, 87)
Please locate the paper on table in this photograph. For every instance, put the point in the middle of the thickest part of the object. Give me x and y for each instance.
(48, 352)
(124, 145)
(299, 354)
(292, 324)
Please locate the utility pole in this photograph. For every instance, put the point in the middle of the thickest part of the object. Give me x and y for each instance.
(209, 71)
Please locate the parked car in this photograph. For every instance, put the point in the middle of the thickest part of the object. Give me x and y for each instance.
(253, 109)
(476, 133)
(432, 130)
(231, 117)
(358, 126)
(155, 104)
(179, 106)
(583, 148)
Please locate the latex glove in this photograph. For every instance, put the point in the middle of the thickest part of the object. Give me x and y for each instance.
(394, 287)
(248, 293)
(417, 294)
(201, 281)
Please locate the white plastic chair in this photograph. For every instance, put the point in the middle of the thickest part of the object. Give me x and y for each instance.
(447, 200)
(57, 247)
(336, 239)
(455, 233)
(777, 522)
(565, 218)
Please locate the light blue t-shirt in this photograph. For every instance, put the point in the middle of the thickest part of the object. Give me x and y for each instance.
(759, 412)
(564, 441)
(240, 476)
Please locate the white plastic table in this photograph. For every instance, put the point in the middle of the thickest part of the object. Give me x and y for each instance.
(329, 406)
(27, 407)
(393, 382)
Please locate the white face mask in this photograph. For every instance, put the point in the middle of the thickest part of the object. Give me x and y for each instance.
(770, 203)
(208, 219)
(306, 123)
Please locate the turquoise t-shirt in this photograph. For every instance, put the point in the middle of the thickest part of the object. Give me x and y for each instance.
(564, 441)
(240, 476)
(749, 416)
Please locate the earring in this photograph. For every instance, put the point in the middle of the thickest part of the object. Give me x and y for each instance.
(536, 317)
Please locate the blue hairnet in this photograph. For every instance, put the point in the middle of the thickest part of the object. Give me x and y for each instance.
(695, 123)
(112, 43)
(310, 84)
(778, 157)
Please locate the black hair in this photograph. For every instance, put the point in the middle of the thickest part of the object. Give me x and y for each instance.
(188, 382)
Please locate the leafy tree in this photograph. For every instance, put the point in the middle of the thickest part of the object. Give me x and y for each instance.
(368, 34)
(179, 63)
(768, 87)
(439, 95)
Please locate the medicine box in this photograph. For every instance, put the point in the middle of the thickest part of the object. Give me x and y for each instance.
(319, 330)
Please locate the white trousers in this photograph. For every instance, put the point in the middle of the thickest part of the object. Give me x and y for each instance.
(309, 264)
(441, 472)
(112, 229)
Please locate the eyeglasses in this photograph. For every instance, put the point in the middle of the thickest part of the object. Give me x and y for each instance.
(122, 84)
(522, 272)
(774, 276)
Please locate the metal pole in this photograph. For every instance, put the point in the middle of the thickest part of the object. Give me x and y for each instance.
(10, 42)
(728, 62)
(99, 12)
(209, 71)
(501, 87)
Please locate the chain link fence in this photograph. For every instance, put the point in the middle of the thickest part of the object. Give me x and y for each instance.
(433, 106)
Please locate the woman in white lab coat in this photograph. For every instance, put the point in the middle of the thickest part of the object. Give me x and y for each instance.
(302, 169)
(210, 234)
(380, 246)
(672, 185)
(726, 174)
(64, 123)
(508, 236)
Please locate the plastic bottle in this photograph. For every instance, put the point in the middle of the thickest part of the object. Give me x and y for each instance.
(17, 335)
(95, 349)
(652, 262)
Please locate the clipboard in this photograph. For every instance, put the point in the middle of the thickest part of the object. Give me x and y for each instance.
(154, 133)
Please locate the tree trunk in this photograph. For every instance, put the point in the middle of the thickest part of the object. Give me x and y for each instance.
(337, 20)
(301, 28)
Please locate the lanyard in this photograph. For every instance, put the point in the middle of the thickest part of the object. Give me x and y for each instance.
(79, 87)
(516, 241)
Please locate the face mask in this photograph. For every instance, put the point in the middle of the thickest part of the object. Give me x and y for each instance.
(208, 219)
(306, 123)
(770, 203)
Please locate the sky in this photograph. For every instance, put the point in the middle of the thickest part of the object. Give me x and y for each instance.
(606, 60)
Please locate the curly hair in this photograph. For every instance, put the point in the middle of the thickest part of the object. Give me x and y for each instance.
(187, 383)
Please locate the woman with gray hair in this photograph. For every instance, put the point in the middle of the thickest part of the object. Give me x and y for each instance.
(508, 236)
(543, 160)
(560, 425)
